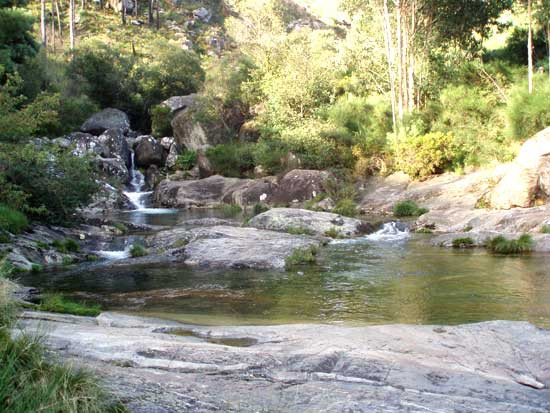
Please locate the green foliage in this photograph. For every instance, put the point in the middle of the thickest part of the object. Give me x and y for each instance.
(138, 250)
(56, 303)
(501, 245)
(408, 209)
(67, 260)
(230, 210)
(333, 233)
(231, 159)
(186, 161)
(16, 41)
(529, 113)
(302, 257)
(299, 231)
(545, 229)
(161, 118)
(54, 183)
(424, 155)
(269, 153)
(345, 207)
(12, 221)
(463, 242)
(259, 208)
(338, 190)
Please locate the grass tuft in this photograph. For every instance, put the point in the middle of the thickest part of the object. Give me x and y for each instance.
(545, 229)
(137, 251)
(408, 209)
(463, 243)
(299, 231)
(333, 233)
(12, 221)
(345, 207)
(230, 210)
(302, 257)
(501, 245)
(56, 303)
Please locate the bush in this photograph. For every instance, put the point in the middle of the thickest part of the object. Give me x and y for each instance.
(269, 153)
(231, 159)
(186, 161)
(333, 233)
(55, 183)
(408, 209)
(259, 208)
(231, 210)
(302, 257)
(424, 155)
(12, 221)
(501, 245)
(161, 118)
(545, 229)
(137, 251)
(529, 113)
(56, 303)
(345, 207)
(463, 243)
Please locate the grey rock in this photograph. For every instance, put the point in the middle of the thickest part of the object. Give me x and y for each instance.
(300, 185)
(85, 144)
(202, 14)
(167, 143)
(148, 151)
(115, 167)
(177, 103)
(106, 119)
(194, 135)
(497, 366)
(114, 145)
(173, 153)
(62, 142)
(284, 219)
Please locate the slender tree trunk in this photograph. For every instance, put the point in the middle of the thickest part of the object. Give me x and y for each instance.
(59, 30)
(399, 39)
(82, 4)
(150, 12)
(136, 8)
(412, 59)
(548, 41)
(123, 12)
(53, 26)
(530, 46)
(158, 14)
(44, 36)
(390, 57)
(71, 24)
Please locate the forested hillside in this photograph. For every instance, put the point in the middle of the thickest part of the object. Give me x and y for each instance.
(359, 87)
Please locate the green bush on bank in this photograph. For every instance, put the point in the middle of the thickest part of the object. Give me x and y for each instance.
(501, 245)
(56, 303)
(529, 113)
(12, 221)
(231, 159)
(408, 209)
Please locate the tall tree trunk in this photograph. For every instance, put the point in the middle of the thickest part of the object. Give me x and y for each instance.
(548, 41)
(158, 14)
(530, 46)
(59, 21)
(123, 12)
(44, 36)
(150, 12)
(399, 39)
(82, 4)
(53, 26)
(71, 24)
(390, 58)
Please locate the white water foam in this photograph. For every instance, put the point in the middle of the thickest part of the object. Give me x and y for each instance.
(114, 255)
(390, 232)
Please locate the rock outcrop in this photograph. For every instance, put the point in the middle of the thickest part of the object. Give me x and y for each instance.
(527, 177)
(106, 119)
(320, 223)
(115, 145)
(148, 151)
(300, 185)
(195, 135)
(497, 366)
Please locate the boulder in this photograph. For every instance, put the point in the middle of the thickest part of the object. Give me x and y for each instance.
(203, 193)
(202, 14)
(114, 144)
(152, 176)
(106, 119)
(527, 177)
(319, 223)
(231, 247)
(300, 185)
(177, 103)
(195, 135)
(205, 167)
(173, 153)
(115, 167)
(85, 144)
(167, 143)
(148, 152)
(62, 142)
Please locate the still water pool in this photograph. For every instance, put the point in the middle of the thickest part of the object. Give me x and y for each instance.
(366, 281)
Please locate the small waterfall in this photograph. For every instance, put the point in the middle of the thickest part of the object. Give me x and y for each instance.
(390, 231)
(135, 192)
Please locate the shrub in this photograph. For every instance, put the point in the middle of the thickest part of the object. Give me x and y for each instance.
(529, 113)
(56, 303)
(545, 229)
(161, 118)
(230, 210)
(55, 183)
(501, 245)
(408, 209)
(345, 207)
(67, 245)
(269, 153)
(12, 221)
(424, 155)
(259, 208)
(68, 260)
(231, 159)
(137, 251)
(302, 257)
(333, 233)
(186, 161)
(463, 243)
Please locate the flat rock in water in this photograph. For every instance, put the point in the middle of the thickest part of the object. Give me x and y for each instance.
(288, 219)
(496, 366)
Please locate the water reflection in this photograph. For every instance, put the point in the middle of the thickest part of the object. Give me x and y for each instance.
(361, 283)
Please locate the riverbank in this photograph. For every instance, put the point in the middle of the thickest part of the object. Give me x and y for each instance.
(494, 366)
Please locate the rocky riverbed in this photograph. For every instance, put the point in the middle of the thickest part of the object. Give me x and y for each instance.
(161, 366)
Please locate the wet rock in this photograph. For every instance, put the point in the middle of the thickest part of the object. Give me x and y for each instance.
(114, 144)
(300, 185)
(285, 219)
(167, 143)
(114, 167)
(497, 366)
(148, 151)
(177, 103)
(152, 176)
(106, 119)
(527, 176)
